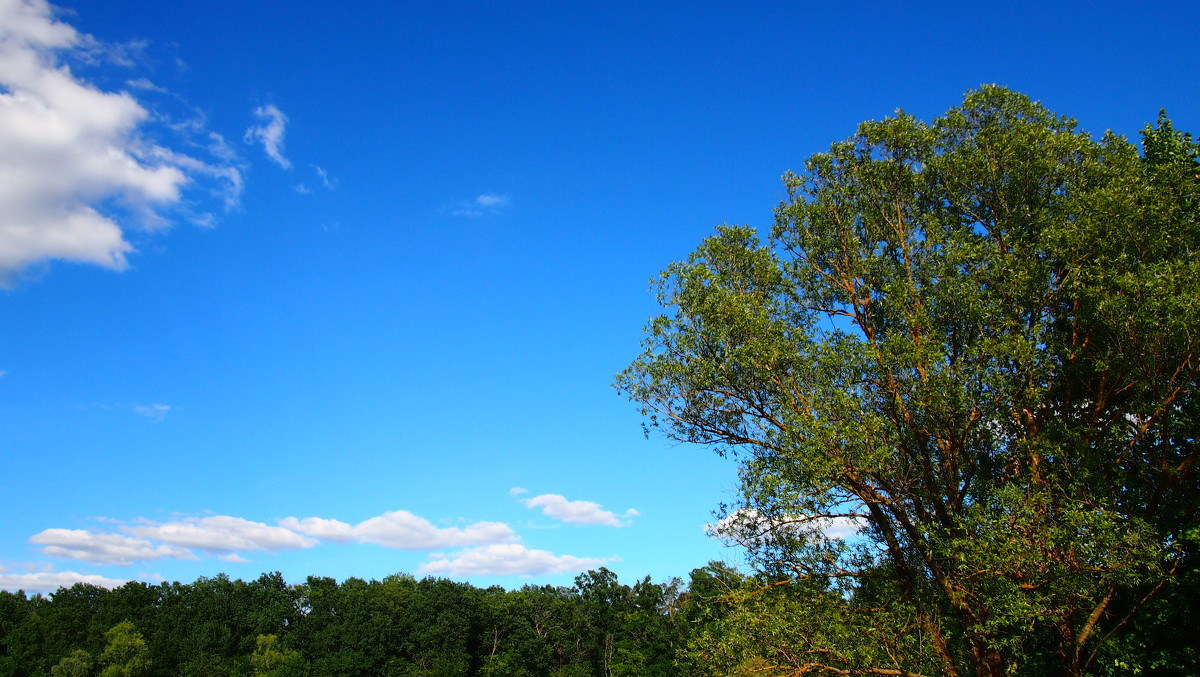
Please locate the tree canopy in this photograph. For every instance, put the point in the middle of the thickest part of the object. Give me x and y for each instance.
(972, 342)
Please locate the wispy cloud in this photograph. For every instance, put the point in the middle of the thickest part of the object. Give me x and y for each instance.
(326, 182)
(506, 560)
(155, 411)
(481, 205)
(78, 171)
(576, 512)
(270, 133)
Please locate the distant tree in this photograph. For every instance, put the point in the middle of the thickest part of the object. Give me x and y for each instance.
(974, 343)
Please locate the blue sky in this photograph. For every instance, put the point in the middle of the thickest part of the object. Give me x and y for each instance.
(341, 289)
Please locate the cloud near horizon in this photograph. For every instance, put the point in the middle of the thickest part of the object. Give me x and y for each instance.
(222, 534)
(87, 546)
(484, 548)
(50, 581)
(575, 512)
(76, 174)
(225, 537)
(507, 559)
(402, 530)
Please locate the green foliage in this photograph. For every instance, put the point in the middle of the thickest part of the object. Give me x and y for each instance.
(272, 660)
(77, 664)
(974, 340)
(126, 654)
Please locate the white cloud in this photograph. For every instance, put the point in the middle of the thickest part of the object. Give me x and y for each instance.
(575, 512)
(403, 530)
(50, 581)
(227, 537)
(270, 134)
(506, 560)
(222, 534)
(517, 491)
(72, 160)
(319, 527)
(87, 546)
(481, 205)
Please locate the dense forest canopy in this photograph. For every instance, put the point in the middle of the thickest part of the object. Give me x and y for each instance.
(397, 626)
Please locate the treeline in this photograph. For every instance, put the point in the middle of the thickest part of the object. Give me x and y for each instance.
(720, 623)
(396, 626)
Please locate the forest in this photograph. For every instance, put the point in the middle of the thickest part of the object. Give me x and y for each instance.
(960, 379)
(397, 626)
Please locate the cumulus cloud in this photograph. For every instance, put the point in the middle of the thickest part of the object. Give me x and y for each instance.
(221, 534)
(506, 560)
(228, 537)
(403, 530)
(481, 205)
(87, 546)
(50, 581)
(270, 133)
(319, 527)
(576, 512)
(75, 172)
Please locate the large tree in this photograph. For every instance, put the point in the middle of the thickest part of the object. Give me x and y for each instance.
(974, 341)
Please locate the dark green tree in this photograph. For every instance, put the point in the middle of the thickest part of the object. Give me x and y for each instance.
(510, 646)
(974, 342)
